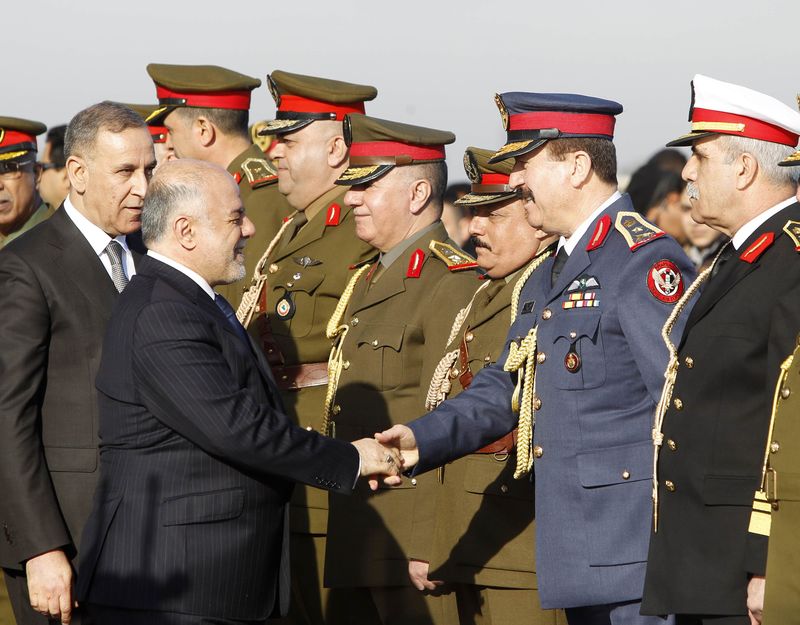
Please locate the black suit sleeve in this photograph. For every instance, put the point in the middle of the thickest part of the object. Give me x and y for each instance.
(30, 514)
(183, 377)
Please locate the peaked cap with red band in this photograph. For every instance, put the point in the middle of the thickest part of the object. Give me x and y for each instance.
(793, 160)
(199, 86)
(18, 137)
(304, 99)
(157, 131)
(530, 119)
(489, 180)
(378, 145)
(724, 108)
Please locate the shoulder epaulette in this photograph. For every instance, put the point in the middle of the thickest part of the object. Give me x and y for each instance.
(636, 230)
(454, 258)
(600, 233)
(259, 172)
(792, 228)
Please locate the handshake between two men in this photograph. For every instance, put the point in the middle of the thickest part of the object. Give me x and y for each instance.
(389, 454)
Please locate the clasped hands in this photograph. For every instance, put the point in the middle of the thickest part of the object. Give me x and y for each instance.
(388, 454)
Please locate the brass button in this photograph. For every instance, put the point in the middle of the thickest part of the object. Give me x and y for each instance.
(626, 475)
(297, 276)
(689, 362)
(273, 268)
(346, 364)
(309, 429)
(374, 342)
(537, 402)
(487, 359)
(354, 321)
(258, 307)
(678, 404)
(785, 392)
(290, 284)
(453, 374)
(504, 489)
(546, 314)
(670, 486)
(468, 337)
(672, 444)
(774, 447)
(538, 452)
(573, 335)
(541, 357)
(336, 409)
(413, 481)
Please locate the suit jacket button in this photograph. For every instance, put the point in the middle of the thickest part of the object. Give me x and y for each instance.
(626, 475)
(689, 362)
(541, 357)
(672, 444)
(670, 486)
(537, 402)
(546, 314)
(538, 452)
(678, 404)
(336, 409)
(504, 489)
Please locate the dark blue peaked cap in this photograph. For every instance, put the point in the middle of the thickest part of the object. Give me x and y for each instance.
(530, 119)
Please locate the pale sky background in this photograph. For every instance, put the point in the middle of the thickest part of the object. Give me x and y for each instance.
(435, 63)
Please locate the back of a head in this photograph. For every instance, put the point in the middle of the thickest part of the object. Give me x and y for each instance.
(55, 141)
(83, 129)
(178, 186)
(642, 186)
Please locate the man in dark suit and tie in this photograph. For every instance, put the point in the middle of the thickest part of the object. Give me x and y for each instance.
(58, 284)
(198, 459)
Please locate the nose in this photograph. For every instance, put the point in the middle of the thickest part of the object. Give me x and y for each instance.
(516, 180)
(139, 183)
(248, 229)
(689, 173)
(353, 198)
(276, 150)
(477, 226)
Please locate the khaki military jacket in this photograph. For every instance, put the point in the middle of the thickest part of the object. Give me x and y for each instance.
(474, 524)
(306, 276)
(264, 205)
(397, 327)
(782, 596)
(38, 216)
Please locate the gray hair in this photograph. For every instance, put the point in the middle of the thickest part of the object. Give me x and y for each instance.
(767, 154)
(83, 129)
(176, 185)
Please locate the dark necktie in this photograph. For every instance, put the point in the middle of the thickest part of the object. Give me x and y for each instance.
(558, 265)
(230, 315)
(114, 252)
(724, 257)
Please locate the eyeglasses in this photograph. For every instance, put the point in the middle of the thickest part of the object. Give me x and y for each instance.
(13, 170)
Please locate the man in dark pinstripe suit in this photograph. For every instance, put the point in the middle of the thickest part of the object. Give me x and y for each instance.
(197, 459)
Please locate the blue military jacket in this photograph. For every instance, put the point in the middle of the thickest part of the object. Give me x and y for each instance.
(600, 371)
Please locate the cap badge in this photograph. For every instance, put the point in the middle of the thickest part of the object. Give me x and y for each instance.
(273, 89)
(471, 167)
(503, 110)
(2, 134)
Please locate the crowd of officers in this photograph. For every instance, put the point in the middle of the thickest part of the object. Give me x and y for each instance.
(370, 315)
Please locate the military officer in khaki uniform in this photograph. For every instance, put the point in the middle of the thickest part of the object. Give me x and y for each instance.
(21, 208)
(301, 275)
(205, 111)
(391, 328)
(474, 525)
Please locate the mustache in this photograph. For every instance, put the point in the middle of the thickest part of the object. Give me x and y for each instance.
(478, 243)
(692, 191)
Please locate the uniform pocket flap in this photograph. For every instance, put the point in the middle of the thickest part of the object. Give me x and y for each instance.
(70, 459)
(579, 324)
(308, 281)
(616, 465)
(729, 490)
(486, 479)
(378, 335)
(219, 505)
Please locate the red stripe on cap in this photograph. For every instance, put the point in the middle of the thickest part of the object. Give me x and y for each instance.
(395, 148)
(300, 104)
(759, 246)
(494, 179)
(236, 100)
(13, 137)
(572, 123)
(158, 133)
(753, 128)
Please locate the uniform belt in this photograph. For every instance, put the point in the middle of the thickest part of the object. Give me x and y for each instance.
(293, 377)
(501, 446)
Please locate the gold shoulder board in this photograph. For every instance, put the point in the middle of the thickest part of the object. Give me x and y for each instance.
(636, 229)
(259, 172)
(792, 228)
(454, 258)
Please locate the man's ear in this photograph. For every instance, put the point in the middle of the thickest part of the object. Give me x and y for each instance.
(77, 172)
(184, 232)
(337, 152)
(581, 168)
(37, 175)
(420, 191)
(204, 131)
(746, 169)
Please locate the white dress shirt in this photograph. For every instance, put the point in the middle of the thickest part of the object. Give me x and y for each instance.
(743, 233)
(572, 241)
(99, 240)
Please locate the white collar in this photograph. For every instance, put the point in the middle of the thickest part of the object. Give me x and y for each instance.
(743, 233)
(571, 242)
(195, 277)
(95, 235)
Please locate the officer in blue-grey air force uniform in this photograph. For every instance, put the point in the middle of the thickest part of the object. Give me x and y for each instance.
(586, 357)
